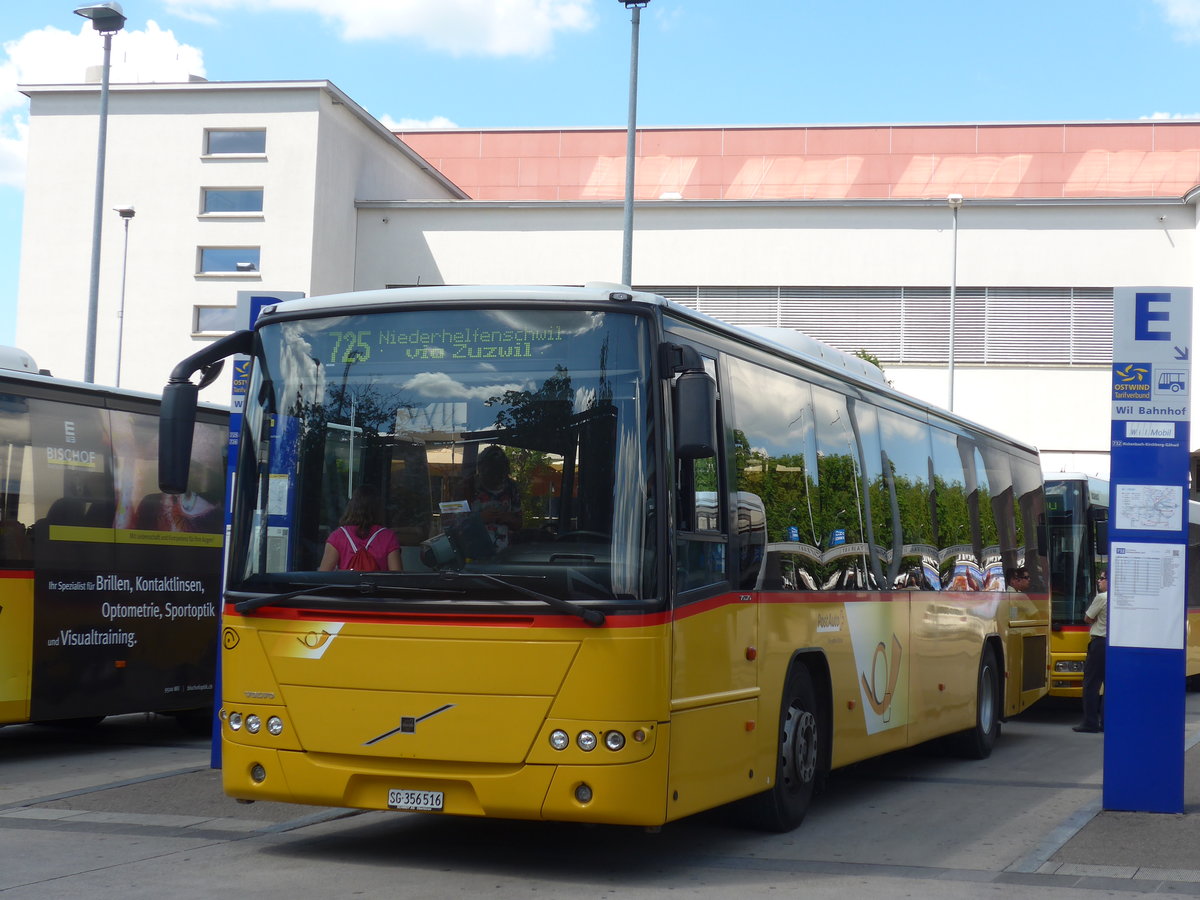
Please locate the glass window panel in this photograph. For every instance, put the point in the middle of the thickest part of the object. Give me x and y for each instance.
(906, 443)
(16, 483)
(211, 319)
(228, 141)
(953, 520)
(228, 200)
(775, 459)
(228, 259)
(428, 406)
(842, 514)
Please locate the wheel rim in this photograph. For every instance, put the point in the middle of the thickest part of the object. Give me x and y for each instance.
(799, 749)
(987, 699)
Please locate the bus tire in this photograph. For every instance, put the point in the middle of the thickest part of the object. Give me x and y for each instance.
(977, 742)
(798, 761)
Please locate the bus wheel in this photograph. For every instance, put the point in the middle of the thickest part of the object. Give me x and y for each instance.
(797, 765)
(977, 742)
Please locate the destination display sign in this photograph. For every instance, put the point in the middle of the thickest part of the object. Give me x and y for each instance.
(395, 345)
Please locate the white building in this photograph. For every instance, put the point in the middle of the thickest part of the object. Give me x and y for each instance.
(843, 232)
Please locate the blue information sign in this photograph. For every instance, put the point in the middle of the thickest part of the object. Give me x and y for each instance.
(1144, 681)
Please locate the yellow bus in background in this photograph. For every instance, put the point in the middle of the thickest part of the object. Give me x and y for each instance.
(109, 589)
(653, 563)
(1077, 509)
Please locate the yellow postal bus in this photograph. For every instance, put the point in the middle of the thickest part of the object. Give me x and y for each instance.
(652, 563)
(1077, 542)
(109, 589)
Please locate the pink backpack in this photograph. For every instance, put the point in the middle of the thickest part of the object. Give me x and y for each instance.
(361, 559)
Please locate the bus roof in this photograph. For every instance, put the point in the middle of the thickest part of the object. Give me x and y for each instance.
(784, 341)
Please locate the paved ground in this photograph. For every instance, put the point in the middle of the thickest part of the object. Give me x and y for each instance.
(124, 815)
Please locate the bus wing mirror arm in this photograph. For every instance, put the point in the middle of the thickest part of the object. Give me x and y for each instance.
(177, 416)
(695, 401)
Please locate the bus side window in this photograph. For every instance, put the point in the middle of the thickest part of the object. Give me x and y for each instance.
(775, 464)
(843, 506)
(16, 483)
(905, 443)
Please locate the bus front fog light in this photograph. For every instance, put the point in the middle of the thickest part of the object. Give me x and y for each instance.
(586, 740)
(253, 723)
(614, 740)
(559, 739)
(583, 793)
(257, 773)
(275, 725)
(235, 721)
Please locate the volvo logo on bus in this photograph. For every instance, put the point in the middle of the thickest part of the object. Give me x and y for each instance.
(408, 725)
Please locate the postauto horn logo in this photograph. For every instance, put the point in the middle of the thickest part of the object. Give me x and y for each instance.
(1131, 381)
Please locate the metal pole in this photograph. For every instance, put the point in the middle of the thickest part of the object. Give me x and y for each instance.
(630, 153)
(89, 359)
(121, 308)
(955, 201)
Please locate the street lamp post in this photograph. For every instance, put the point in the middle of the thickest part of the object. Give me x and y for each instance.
(108, 19)
(126, 214)
(634, 6)
(955, 202)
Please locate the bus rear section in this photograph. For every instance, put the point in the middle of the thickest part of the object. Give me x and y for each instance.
(108, 588)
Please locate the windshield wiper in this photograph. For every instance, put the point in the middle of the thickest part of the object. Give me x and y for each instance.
(365, 588)
(252, 603)
(591, 616)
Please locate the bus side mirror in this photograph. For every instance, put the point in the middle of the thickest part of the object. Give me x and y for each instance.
(177, 415)
(695, 416)
(176, 423)
(1099, 518)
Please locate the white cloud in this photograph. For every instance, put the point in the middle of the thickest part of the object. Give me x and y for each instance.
(1164, 116)
(1183, 16)
(415, 124)
(53, 56)
(460, 27)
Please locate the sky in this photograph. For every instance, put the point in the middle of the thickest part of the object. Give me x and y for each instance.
(565, 63)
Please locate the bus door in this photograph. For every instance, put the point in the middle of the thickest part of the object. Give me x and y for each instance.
(714, 684)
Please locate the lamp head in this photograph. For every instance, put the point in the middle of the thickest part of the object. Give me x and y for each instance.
(107, 18)
(125, 212)
(955, 200)
(634, 4)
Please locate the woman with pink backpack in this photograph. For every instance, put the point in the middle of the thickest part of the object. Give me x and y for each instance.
(360, 543)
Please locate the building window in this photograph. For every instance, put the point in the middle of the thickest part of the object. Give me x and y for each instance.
(224, 142)
(218, 201)
(214, 319)
(228, 260)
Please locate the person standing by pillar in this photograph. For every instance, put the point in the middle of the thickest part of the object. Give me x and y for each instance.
(1093, 666)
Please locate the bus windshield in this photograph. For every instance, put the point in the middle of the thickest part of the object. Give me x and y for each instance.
(1071, 549)
(512, 443)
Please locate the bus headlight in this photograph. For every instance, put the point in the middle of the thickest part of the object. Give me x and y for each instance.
(275, 725)
(235, 721)
(559, 739)
(253, 723)
(614, 740)
(586, 740)
(1069, 665)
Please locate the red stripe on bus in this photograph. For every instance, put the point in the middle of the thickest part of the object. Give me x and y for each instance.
(463, 620)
